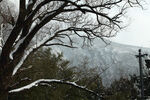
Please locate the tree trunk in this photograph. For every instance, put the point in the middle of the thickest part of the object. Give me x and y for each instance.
(3, 95)
(3, 88)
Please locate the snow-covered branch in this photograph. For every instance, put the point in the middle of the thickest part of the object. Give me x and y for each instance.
(19, 82)
(36, 47)
(50, 81)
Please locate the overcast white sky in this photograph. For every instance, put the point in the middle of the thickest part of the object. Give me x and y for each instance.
(138, 32)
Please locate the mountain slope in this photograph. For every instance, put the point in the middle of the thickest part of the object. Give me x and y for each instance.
(118, 58)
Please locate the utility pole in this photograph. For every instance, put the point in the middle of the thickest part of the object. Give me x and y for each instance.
(141, 72)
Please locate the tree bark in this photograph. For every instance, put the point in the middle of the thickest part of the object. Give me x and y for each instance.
(3, 86)
(3, 95)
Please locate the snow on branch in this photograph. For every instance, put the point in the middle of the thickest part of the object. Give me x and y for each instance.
(26, 54)
(16, 47)
(50, 81)
(19, 82)
(1, 36)
(36, 47)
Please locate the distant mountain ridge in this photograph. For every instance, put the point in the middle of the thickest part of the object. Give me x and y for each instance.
(118, 58)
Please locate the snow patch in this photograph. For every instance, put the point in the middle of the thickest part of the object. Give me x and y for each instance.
(30, 2)
(36, 83)
(15, 48)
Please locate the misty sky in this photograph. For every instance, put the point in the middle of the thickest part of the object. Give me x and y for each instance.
(138, 31)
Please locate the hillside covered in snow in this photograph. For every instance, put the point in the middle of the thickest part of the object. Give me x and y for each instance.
(117, 60)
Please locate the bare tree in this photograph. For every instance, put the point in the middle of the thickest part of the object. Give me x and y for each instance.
(56, 21)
